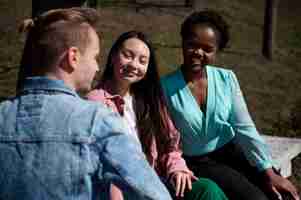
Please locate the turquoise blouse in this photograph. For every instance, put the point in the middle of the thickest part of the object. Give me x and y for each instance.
(226, 117)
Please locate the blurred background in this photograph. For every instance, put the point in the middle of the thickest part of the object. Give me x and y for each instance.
(272, 87)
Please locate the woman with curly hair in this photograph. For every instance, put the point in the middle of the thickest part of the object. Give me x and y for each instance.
(219, 138)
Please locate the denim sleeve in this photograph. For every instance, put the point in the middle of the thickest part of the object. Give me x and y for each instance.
(124, 163)
(246, 134)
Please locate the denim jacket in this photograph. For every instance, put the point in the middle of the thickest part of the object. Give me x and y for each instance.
(55, 145)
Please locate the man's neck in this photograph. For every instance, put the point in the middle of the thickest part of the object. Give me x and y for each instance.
(59, 76)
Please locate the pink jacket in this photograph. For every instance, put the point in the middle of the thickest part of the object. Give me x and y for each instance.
(171, 160)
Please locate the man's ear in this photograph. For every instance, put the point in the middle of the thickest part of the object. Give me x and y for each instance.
(73, 57)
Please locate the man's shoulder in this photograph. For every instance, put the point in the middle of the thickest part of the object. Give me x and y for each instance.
(83, 117)
(80, 105)
(7, 106)
(6, 103)
(4, 106)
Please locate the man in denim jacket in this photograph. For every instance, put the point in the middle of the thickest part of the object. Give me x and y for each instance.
(55, 145)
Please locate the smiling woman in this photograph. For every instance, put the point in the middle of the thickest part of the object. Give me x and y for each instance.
(220, 140)
(131, 87)
(131, 62)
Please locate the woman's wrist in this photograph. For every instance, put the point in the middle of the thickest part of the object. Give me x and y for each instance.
(269, 173)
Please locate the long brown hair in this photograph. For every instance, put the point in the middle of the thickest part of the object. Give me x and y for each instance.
(149, 103)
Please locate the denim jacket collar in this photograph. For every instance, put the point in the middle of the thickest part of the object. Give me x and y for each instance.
(46, 84)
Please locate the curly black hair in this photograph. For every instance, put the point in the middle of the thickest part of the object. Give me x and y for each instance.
(210, 18)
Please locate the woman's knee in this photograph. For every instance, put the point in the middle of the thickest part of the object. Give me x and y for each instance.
(205, 189)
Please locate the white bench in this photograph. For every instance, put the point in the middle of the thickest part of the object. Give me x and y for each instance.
(283, 150)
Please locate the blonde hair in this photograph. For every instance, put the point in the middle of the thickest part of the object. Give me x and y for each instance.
(54, 31)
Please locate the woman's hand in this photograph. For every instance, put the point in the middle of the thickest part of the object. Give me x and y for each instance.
(278, 184)
(182, 181)
(115, 193)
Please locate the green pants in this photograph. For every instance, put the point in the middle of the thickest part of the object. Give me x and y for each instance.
(202, 189)
(205, 189)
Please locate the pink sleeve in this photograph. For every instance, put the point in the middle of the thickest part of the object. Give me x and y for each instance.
(96, 95)
(172, 160)
(100, 95)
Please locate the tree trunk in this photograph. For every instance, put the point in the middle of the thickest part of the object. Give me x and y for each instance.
(269, 31)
